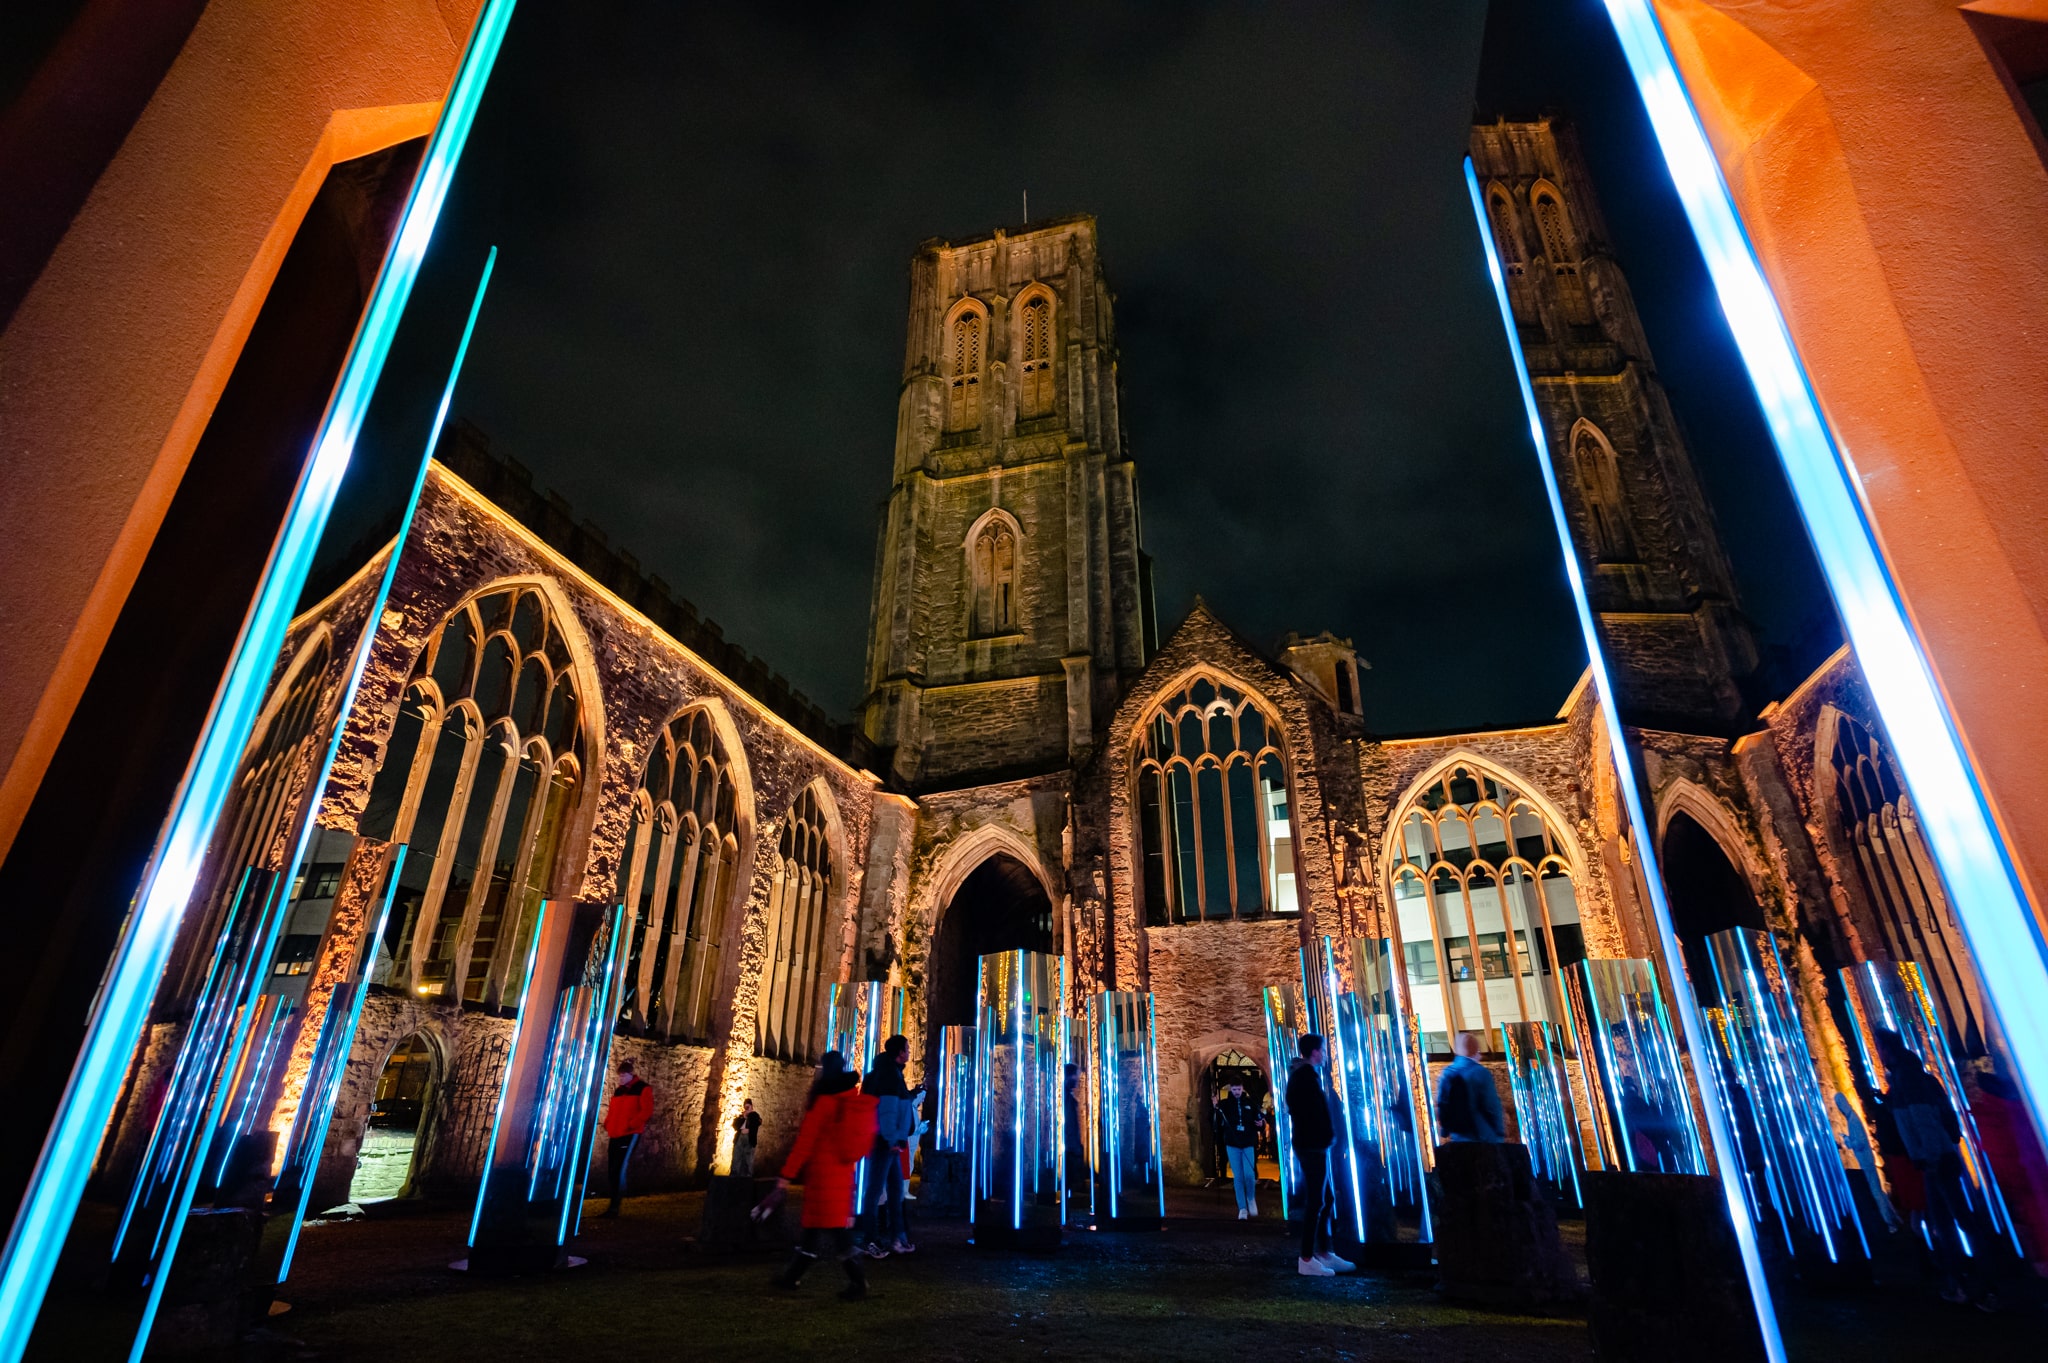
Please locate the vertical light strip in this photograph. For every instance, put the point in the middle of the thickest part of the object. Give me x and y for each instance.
(123, 1002)
(1727, 1158)
(2006, 942)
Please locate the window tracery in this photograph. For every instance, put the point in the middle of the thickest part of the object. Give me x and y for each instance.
(1213, 808)
(1035, 394)
(1553, 227)
(993, 568)
(1599, 477)
(677, 877)
(1890, 863)
(1486, 913)
(482, 772)
(963, 409)
(793, 985)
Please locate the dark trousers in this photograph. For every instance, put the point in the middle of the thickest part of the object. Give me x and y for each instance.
(817, 1241)
(882, 1218)
(1314, 1194)
(620, 1151)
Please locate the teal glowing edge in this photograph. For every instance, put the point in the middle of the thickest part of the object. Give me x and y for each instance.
(2005, 938)
(1727, 1160)
(122, 1004)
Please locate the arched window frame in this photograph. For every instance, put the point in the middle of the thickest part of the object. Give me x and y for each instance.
(679, 877)
(1507, 228)
(1172, 809)
(966, 364)
(803, 901)
(505, 677)
(1882, 857)
(1417, 853)
(1597, 470)
(1560, 244)
(1037, 351)
(995, 551)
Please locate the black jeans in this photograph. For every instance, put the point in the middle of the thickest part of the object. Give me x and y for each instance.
(1314, 1194)
(620, 1151)
(813, 1247)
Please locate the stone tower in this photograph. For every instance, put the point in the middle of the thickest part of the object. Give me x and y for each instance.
(1012, 600)
(1652, 559)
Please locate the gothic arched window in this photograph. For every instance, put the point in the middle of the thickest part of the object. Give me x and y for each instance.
(479, 779)
(1485, 911)
(799, 956)
(1555, 230)
(1506, 234)
(1889, 863)
(677, 878)
(964, 360)
(1035, 345)
(268, 796)
(1212, 808)
(992, 563)
(1599, 479)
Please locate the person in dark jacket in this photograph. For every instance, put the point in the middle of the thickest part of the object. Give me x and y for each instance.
(884, 1229)
(1312, 1131)
(746, 1138)
(1926, 1127)
(624, 1119)
(1467, 1102)
(1238, 1124)
(836, 1135)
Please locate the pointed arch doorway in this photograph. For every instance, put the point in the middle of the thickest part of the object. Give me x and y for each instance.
(1000, 906)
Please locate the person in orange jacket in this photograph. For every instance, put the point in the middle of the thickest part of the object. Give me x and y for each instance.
(624, 1119)
(837, 1133)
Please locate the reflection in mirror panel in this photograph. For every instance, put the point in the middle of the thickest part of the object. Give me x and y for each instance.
(1123, 1061)
(1021, 1052)
(1400, 1129)
(1286, 1020)
(1546, 1118)
(1624, 1034)
(859, 1019)
(954, 1129)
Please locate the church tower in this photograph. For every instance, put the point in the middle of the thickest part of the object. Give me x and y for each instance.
(1648, 548)
(1012, 600)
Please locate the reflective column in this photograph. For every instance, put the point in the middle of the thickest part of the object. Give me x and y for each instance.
(1402, 1128)
(1285, 1022)
(1765, 1081)
(860, 1017)
(954, 1128)
(1643, 1110)
(1544, 1111)
(1124, 1060)
(1025, 1109)
(531, 1198)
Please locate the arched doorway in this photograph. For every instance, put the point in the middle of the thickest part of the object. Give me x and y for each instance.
(1001, 906)
(401, 1111)
(1707, 893)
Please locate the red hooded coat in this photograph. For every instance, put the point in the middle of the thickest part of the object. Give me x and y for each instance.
(836, 1136)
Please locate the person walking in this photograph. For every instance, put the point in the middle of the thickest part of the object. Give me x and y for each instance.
(837, 1132)
(1467, 1103)
(1312, 1131)
(625, 1117)
(1926, 1126)
(1239, 1124)
(746, 1137)
(886, 1230)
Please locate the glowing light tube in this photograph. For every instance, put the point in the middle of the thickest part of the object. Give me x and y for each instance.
(1725, 1158)
(1284, 1026)
(859, 1018)
(2006, 942)
(1390, 1053)
(1544, 1112)
(954, 1130)
(1019, 1188)
(1123, 1049)
(123, 1002)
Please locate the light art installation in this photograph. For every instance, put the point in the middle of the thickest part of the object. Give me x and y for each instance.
(1382, 1036)
(954, 1085)
(1633, 1069)
(1123, 1055)
(1766, 1082)
(1285, 1022)
(1020, 1152)
(2005, 936)
(531, 1197)
(1354, 1170)
(1893, 997)
(860, 1017)
(121, 1008)
(1544, 1111)
(1643, 844)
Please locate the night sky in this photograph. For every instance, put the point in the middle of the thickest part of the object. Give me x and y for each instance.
(696, 328)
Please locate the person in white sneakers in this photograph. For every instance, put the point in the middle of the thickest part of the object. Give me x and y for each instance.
(1238, 1125)
(1312, 1130)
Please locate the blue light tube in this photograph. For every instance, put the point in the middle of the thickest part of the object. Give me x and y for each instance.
(483, 1187)
(2006, 942)
(1727, 1159)
(123, 1002)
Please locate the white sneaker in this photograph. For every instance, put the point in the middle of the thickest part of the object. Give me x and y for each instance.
(1240, 1214)
(1334, 1264)
(1252, 1214)
(1313, 1268)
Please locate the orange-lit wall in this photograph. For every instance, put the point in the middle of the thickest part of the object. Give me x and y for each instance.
(110, 366)
(1900, 207)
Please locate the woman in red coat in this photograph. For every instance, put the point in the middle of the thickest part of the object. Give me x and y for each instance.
(838, 1131)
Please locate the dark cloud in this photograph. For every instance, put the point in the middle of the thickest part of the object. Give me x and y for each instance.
(696, 330)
